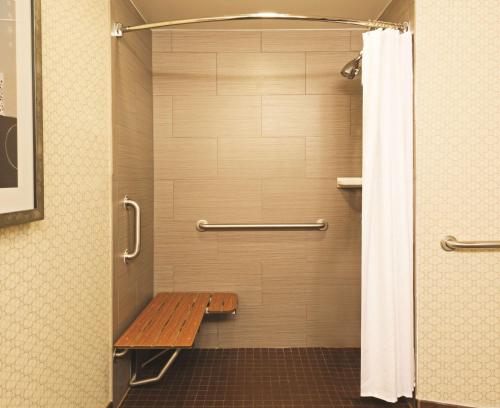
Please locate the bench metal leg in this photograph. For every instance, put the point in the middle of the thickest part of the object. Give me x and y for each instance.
(157, 355)
(134, 382)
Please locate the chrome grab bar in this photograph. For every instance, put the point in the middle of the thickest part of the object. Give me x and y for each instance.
(203, 225)
(450, 243)
(137, 246)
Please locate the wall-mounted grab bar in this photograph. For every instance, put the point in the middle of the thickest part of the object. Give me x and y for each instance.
(137, 245)
(203, 225)
(450, 243)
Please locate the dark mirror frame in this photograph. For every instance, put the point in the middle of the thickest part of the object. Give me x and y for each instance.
(21, 217)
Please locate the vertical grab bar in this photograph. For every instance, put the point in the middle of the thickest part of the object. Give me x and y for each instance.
(137, 245)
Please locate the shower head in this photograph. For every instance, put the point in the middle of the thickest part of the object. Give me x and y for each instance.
(352, 68)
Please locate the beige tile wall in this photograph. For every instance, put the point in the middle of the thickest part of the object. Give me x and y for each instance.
(132, 175)
(399, 11)
(255, 126)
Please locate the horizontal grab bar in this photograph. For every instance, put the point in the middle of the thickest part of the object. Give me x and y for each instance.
(203, 225)
(450, 243)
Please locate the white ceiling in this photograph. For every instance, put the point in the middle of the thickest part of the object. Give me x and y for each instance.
(160, 10)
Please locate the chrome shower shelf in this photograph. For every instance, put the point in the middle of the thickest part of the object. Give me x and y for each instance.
(349, 182)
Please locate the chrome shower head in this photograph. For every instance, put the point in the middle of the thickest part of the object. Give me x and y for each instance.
(352, 68)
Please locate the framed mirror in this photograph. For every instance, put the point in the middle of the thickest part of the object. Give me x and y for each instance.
(21, 154)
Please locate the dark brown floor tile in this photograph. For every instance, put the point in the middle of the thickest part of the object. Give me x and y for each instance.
(258, 378)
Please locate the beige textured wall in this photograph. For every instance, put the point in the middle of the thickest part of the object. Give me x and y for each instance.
(55, 275)
(255, 126)
(457, 193)
(132, 176)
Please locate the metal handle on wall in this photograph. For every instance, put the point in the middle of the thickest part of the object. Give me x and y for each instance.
(450, 243)
(203, 225)
(137, 246)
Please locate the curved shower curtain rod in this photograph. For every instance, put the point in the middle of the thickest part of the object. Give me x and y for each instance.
(119, 29)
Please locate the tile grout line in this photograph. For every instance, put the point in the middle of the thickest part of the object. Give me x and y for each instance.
(262, 179)
(316, 376)
(216, 73)
(305, 72)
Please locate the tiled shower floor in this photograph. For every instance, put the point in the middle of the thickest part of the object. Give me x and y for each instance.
(221, 378)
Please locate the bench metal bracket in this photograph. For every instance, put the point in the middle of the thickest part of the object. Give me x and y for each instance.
(155, 357)
(134, 382)
(119, 354)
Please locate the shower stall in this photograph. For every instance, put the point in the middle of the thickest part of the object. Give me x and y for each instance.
(238, 152)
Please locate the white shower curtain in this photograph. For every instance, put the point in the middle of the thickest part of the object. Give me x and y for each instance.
(387, 354)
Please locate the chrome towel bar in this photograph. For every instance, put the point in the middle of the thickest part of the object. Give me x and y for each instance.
(203, 225)
(450, 243)
(137, 246)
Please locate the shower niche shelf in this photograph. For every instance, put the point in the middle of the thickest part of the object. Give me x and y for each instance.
(349, 182)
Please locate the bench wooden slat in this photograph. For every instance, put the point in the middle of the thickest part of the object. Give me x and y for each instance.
(189, 331)
(223, 303)
(142, 321)
(170, 331)
(152, 332)
(182, 329)
(150, 320)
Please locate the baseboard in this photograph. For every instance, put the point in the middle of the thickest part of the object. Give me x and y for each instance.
(111, 405)
(431, 404)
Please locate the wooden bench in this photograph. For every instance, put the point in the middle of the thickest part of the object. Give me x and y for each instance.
(170, 322)
(222, 303)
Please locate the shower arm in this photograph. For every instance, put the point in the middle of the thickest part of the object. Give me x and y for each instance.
(119, 29)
